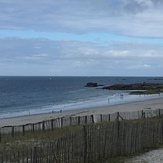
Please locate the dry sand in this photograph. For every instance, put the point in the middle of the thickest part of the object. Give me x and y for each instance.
(127, 107)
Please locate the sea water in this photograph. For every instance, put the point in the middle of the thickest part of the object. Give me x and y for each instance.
(34, 95)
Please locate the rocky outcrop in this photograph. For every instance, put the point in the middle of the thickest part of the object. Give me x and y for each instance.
(93, 84)
(148, 87)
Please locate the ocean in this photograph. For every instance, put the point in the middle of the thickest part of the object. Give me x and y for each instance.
(34, 95)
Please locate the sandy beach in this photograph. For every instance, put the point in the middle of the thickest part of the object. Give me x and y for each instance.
(156, 103)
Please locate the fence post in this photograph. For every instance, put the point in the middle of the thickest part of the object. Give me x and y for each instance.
(92, 117)
(52, 127)
(159, 111)
(12, 131)
(2, 159)
(117, 119)
(0, 136)
(43, 126)
(85, 144)
(119, 116)
(70, 120)
(143, 114)
(118, 136)
(33, 127)
(18, 157)
(62, 122)
(85, 119)
(101, 117)
(78, 120)
(23, 129)
(34, 153)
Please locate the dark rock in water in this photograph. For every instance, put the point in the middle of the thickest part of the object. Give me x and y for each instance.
(91, 84)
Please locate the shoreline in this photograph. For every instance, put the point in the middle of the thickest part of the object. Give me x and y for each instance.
(129, 106)
(117, 98)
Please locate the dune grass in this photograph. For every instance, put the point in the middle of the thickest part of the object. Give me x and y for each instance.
(31, 139)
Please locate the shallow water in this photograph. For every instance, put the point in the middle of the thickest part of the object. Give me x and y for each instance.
(33, 95)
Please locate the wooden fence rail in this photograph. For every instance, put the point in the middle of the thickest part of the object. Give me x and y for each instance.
(72, 120)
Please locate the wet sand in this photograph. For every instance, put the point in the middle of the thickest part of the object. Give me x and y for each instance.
(127, 107)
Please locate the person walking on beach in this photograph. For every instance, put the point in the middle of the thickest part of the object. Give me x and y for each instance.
(121, 96)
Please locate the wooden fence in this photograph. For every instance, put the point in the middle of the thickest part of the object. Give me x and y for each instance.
(94, 142)
(72, 120)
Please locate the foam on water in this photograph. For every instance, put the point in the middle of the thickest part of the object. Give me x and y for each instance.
(94, 102)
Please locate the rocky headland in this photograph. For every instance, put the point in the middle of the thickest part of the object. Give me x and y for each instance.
(138, 88)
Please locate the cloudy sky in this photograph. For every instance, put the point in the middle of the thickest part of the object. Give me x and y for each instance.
(81, 37)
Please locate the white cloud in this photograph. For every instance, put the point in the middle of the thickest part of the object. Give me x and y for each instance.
(139, 66)
(128, 17)
(80, 58)
(34, 57)
(137, 19)
(117, 53)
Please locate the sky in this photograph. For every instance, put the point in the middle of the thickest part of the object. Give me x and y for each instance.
(81, 38)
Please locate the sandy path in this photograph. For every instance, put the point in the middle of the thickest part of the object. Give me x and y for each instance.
(154, 156)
